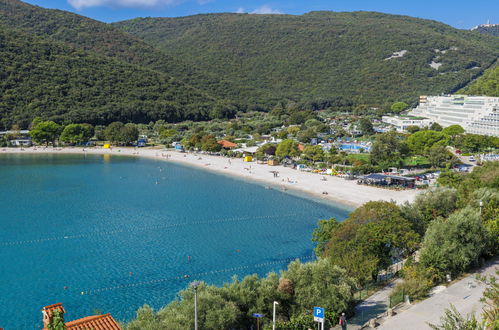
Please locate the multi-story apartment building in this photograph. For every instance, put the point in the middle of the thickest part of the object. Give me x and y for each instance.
(402, 122)
(476, 114)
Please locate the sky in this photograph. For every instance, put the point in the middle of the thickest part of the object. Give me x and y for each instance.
(463, 14)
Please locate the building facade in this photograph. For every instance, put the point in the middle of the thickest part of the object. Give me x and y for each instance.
(476, 114)
(402, 122)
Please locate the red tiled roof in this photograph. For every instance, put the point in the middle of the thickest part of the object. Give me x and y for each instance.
(49, 309)
(301, 147)
(227, 144)
(95, 322)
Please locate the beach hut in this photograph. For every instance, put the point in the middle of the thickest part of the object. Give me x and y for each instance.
(248, 158)
(272, 162)
(107, 146)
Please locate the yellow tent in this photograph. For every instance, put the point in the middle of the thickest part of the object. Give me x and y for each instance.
(107, 146)
(248, 159)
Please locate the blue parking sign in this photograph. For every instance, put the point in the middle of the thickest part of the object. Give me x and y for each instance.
(318, 314)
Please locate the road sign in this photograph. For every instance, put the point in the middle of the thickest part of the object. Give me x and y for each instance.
(318, 314)
(257, 315)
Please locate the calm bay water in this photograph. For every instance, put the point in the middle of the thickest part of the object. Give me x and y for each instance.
(125, 231)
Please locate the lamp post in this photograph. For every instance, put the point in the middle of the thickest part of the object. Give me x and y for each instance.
(195, 285)
(481, 206)
(273, 315)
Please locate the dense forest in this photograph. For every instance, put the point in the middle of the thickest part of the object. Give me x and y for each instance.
(365, 57)
(488, 84)
(51, 80)
(65, 67)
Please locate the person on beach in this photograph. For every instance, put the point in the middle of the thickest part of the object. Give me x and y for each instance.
(343, 321)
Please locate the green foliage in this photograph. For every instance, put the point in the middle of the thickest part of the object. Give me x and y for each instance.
(433, 204)
(45, 132)
(313, 153)
(399, 107)
(308, 58)
(417, 283)
(455, 244)
(439, 156)
(57, 322)
(323, 233)
(56, 82)
(369, 238)
(488, 84)
(475, 142)
(421, 142)
(366, 127)
(209, 143)
(298, 289)
(388, 150)
(453, 320)
(287, 148)
(453, 130)
(436, 127)
(413, 129)
(77, 133)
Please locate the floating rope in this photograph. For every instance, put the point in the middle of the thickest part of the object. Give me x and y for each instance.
(151, 227)
(195, 275)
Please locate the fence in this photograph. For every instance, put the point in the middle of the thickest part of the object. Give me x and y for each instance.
(397, 298)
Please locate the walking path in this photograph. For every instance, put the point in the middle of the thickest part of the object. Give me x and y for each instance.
(372, 306)
(464, 295)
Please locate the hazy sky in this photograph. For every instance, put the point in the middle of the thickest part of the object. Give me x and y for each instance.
(458, 13)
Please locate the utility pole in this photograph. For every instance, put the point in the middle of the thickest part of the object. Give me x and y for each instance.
(195, 285)
(273, 315)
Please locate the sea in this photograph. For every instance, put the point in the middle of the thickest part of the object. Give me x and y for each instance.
(108, 234)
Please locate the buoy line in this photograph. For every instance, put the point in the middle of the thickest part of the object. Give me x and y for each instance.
(192, 276)
(182, 224)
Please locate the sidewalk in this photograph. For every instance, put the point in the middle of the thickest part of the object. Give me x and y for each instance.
(464, 295)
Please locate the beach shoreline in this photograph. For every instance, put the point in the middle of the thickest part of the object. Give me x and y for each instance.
(334, 189)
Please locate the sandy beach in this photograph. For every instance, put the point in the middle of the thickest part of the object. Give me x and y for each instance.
(338, 190)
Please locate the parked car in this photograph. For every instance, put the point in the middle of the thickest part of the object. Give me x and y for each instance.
(472, 159)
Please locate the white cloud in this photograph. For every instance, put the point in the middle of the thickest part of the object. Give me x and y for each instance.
(240, 11)
(265, 9)
(80, 4)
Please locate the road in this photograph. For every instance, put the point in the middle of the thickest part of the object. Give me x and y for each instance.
(464, 295)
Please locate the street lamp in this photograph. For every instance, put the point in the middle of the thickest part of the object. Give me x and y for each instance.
(273, 315)
(481, 206)
(195, 285)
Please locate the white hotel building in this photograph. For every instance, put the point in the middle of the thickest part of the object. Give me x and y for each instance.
(476, 114)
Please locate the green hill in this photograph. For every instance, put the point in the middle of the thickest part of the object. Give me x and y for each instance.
(488, 84)
(51, 80)
(365, 57)
(93, 36)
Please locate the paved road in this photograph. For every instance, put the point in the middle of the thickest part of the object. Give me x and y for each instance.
(464, 295)
(371, 307)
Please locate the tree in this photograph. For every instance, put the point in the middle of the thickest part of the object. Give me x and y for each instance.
(372, 236)
(57, 322)
(45, 132)
(77, 133)
(455, 244)
(429, 206)
(113, 132)
(388, 150)
(366, 127)
(438, 156)
(314, 153)
(210, 143)
(323, 233)
(128, 133)
(399, 107)
(453, 130)
(287, 148)
(453, 320)
(421, 142)
(413, 129)
(436, 127)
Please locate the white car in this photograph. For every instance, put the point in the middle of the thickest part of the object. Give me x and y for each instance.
(472, 159)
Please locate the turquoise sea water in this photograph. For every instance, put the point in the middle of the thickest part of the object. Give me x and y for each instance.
(125, 231)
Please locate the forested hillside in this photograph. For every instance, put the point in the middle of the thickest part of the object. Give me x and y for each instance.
(488, 84)
(361, 57)
(89, 35)
(54, 81)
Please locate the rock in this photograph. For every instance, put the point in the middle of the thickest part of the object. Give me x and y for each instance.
(372, 323)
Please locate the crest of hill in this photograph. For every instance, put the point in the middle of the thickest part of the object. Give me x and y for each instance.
(492, 30)
(90, 35)
(48, 79)
(366, 57)
(487, 85)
